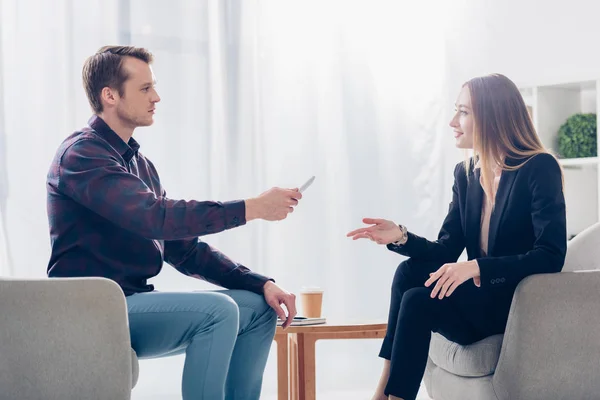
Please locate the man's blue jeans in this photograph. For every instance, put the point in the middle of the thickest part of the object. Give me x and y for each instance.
(225, 335)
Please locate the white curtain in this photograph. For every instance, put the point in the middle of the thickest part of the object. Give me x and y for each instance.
(255, 94)
(43, 47)
(5, 258)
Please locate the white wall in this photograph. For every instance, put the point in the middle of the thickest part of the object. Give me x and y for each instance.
(530, 41)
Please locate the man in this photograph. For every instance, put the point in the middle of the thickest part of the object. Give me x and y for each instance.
(109, 216)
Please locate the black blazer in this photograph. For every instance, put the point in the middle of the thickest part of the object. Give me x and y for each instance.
(527, 233)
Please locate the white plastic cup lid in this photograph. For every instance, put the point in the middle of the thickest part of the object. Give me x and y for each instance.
(311, 289)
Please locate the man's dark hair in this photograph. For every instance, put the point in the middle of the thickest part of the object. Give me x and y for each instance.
(105, 68)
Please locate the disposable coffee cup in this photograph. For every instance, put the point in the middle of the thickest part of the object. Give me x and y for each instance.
(311, 300)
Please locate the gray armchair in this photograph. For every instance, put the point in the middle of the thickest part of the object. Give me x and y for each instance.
(551, 347)
(63, 339)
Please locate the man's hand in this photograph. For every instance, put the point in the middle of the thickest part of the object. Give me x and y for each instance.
(275, 297)
(450, 276)
(381, 231)
(273, 205)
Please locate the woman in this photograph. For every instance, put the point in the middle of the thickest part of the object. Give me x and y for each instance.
(507, 210)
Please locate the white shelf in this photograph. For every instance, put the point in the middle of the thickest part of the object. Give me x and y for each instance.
(528, 96)
(576, 162)
(582, 85)
(550, 105)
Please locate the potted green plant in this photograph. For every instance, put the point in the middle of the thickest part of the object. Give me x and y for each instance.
(577, 136)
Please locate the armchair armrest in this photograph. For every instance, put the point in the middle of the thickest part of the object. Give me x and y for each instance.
(551, 346)
(64, 338)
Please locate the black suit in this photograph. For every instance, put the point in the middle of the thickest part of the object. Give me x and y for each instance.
(527, 235)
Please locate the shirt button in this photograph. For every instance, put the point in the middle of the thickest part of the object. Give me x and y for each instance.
(502, 280)
(236, 220)
(493, 281)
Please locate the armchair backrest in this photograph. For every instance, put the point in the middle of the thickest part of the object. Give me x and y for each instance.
(64, 338)
(583, 251)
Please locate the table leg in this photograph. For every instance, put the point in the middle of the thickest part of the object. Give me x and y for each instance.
(282, 366)
(302, 359)
(293, 346)
(306, 366)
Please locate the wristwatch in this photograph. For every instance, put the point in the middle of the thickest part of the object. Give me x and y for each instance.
(404, 237)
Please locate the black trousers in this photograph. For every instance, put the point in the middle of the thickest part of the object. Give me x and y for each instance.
(468, 315)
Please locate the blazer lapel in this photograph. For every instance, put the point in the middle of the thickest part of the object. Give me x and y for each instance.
(504, 187)
(473, 212)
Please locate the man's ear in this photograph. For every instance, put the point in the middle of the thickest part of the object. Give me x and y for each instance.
(109, 96)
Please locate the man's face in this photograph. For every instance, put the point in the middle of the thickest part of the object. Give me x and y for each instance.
(137, 105)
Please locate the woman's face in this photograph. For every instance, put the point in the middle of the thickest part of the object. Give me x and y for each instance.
(462, 122)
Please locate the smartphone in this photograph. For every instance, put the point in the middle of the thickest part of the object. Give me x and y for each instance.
(307, 184)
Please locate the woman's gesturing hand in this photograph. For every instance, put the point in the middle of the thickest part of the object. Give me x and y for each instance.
(381, 231)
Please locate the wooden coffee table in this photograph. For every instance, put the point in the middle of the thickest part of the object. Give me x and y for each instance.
(296, 354)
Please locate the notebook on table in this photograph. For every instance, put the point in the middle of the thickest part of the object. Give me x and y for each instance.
(302, 321)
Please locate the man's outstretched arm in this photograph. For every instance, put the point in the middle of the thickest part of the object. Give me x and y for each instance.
(89, 173)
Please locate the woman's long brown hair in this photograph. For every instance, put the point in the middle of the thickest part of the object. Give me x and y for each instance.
(502, 127)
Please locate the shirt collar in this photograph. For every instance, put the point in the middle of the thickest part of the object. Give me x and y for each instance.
(126, 150)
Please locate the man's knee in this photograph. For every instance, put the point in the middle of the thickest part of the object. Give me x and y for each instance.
(268, 315)
(255, 305)
(270, 318)
(224, 308)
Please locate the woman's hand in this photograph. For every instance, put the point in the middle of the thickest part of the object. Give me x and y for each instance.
(450, 276)
(381, 231)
